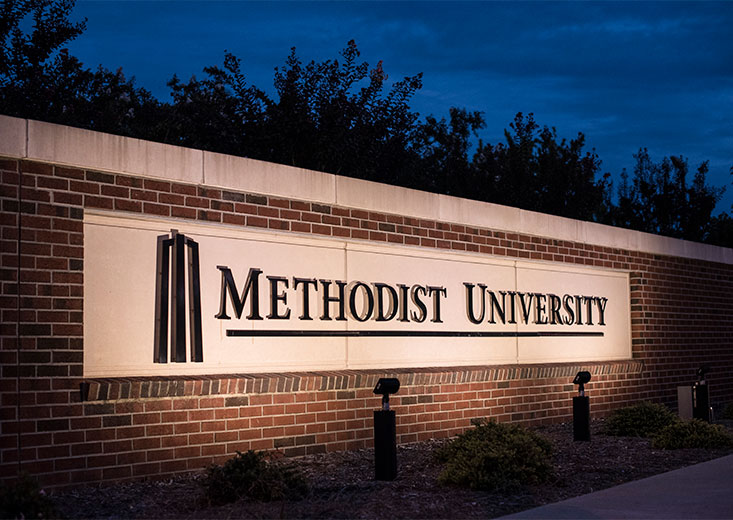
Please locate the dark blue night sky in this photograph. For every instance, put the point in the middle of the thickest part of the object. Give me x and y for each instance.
(628, 75)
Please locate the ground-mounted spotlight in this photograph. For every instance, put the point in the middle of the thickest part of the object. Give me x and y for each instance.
(581, 378)
(385, 387)
(385, 431)
(581, 408)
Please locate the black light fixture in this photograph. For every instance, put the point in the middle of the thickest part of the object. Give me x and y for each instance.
(385, 387)
(581, 378)
(702, 372)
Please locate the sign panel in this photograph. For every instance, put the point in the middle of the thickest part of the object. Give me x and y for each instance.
(165, 297)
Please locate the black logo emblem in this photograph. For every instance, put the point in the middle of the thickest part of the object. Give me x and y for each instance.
(171, 272)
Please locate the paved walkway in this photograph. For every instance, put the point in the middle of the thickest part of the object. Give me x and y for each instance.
(701, 491)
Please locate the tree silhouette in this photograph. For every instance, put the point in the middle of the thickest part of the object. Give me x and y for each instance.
(659, 199)
(341, 116)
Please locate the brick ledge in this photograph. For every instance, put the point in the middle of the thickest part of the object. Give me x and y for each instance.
(114, 389)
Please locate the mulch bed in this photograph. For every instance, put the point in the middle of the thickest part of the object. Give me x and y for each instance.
(342, 485)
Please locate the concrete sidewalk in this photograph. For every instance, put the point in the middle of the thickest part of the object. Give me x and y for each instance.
(701, 491)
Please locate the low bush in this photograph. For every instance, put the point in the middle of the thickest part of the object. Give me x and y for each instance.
(251, 475)
(640, 420)
(495, 457)
(693, 434)
(23, 498)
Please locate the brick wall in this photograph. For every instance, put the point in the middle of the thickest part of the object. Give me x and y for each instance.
(682, 313)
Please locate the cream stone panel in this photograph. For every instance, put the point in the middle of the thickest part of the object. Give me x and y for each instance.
(167, 161)
(661, 244)
(120, 276)
(450, 271)
(239, 173)
(119, 296)
(99, 151)
(285, 258)
(372, 196)
(475, 213)
(706, 252)
(540, 224)
(119, 311)
(533, 223)
(551, 279)
(591, 233)
(13, 136)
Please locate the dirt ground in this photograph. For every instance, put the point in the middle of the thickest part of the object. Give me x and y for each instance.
(342, 485)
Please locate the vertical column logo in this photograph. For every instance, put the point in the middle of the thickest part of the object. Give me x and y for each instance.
(170, 285)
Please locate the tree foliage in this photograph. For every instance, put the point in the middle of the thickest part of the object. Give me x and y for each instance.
(535, 170)
(342, 116)
(660, 200)
(40, 80)
(335, 116)
(444, 149)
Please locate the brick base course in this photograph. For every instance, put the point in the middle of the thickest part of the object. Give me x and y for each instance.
(681, 309)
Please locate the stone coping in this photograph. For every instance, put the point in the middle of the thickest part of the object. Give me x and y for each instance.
(68, 146)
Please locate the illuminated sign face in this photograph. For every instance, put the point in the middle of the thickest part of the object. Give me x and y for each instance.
(214, 299)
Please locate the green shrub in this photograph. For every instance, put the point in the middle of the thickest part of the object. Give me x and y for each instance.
(495, 457)
(640, 420)
(693, 434)
(252, 475)
(23, 498)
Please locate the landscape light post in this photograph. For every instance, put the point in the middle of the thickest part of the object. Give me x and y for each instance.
(385, 432)
(581, 408)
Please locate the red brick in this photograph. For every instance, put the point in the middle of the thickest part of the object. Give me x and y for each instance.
(237, 220)
(91, 201)
(300, 227)
(257, 222)
(156, 209)
(174, 441)
(185, 404)
(128, 205)
(155, 185)
(197, 202)
(264, 211)
(159, 429)
(115, 191)
(183, 212)
(131, 182)
(169, 198)
(320, 230)
(184, 189)
(90, 188)
(300, 206)
(210, 216)
(140, 195)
